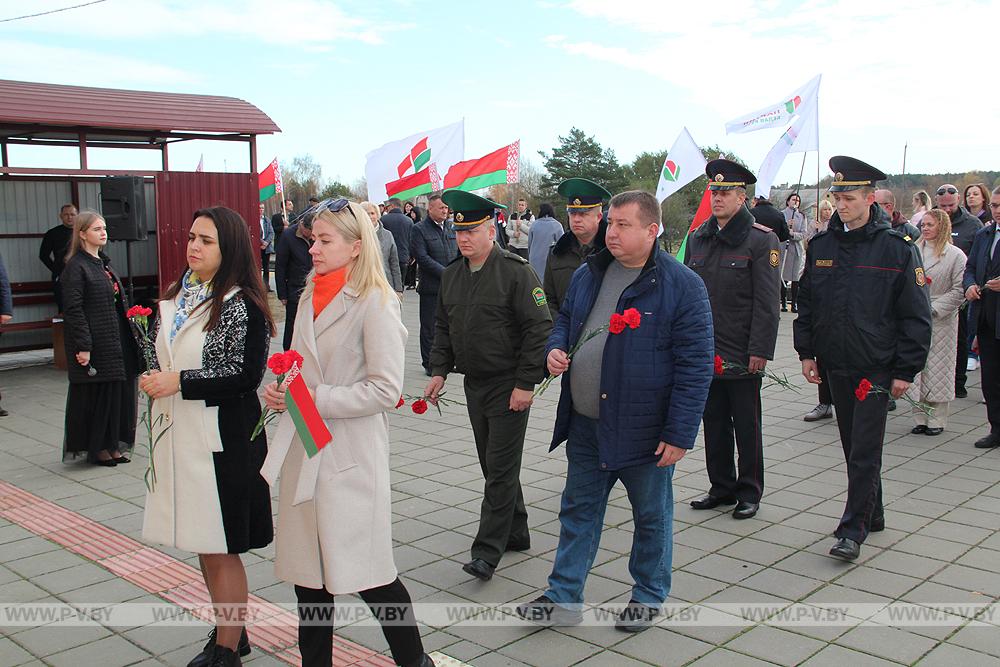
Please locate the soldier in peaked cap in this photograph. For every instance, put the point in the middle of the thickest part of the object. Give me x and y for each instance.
(584, 204)
(738, 260)
(865, 314)
(492, 325)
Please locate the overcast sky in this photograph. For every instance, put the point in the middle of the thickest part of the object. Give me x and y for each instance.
(343, 77)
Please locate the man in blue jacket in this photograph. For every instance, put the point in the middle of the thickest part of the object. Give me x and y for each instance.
(630, 407)
(434, 247)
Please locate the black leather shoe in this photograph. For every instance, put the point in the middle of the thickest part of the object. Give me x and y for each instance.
(961, 392)
(989, 442)
(225, 657)
(877, 525)
(846, 549)
(479, 569)
(636, 617)
(918, 429)
(709, 502)
(3, 413)
(745, 510)
(425, 661)
(518, 545)
(204, 659)
(934, 431)
(544, 611)
(121, 459)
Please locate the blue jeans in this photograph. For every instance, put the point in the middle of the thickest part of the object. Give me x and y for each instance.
(581, 519)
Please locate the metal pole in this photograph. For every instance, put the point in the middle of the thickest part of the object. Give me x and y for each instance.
(802, 171)
(902, 177)
(817, 186)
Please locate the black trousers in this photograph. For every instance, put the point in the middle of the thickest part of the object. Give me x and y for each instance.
(388, 603)
(862, 432)
(989, 359)
(732, 412)
(499, 434)
(824, 387)
(265, 267)
(791, 294)
(291, 310)
(428, 308)
(962, 353)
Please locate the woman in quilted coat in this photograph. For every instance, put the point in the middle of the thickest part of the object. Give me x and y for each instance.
(943, 268)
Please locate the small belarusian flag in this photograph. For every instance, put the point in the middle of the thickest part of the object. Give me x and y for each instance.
(498, 167)
(308, 424)
(269, 180)
(406, 187)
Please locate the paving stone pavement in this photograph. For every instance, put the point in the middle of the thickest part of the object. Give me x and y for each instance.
(941, 544)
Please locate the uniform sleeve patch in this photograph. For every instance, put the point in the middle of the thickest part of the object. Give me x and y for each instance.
(538, 294)
(824, 262)
(773, 258)
(921, 280)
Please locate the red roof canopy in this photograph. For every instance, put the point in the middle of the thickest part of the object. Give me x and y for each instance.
(137, 113)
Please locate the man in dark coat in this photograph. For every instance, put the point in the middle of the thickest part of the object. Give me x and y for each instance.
(887, 201)
(982, 285)
(584, 200)
(281, 220)
(491, 326)
(292, 265)
(401, 228)
(433, 245)
(964, 227)
(766, 214)
(738, 260)
(55, 245)
(865, 314)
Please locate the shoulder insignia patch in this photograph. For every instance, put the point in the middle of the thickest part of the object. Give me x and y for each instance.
(824, 262)
(538, 294)
(773, 258)
(921, 280)
(763, 228)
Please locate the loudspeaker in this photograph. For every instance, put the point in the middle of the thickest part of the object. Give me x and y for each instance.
(123, 205)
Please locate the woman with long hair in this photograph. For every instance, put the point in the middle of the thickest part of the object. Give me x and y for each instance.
(334, 509)
(104, 362)
(825, 212)
(204, 490)
(387, 244)
(944, 265)
(921, 204)
(976, 199)
(793, 259)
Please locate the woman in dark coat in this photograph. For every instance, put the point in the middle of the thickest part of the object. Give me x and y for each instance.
(101, 403)
(206, 494)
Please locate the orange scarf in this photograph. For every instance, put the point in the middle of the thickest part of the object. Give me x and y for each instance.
(326, 287)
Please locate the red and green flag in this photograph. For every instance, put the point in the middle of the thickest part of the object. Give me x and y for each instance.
(269, 180)
(703, 213)
(417, 159)
(308, 424)
(423, 182)
(499, 167)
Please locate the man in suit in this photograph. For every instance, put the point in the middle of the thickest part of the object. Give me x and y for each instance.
(281, 220)
(433, 245)
(266, 247)
(54, 246)
(982, 284)
(401, 228)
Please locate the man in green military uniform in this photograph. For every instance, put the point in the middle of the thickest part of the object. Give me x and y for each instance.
(584, 200)
(492, 325)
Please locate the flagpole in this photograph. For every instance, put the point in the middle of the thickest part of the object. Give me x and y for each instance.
(802, 171)
(902, 178)
(817, 186)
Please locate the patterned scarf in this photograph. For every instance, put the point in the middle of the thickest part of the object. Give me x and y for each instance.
(194, 292)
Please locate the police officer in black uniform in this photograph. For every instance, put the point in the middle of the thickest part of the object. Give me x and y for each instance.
(492, 325)
(865, 314)
(738, 260)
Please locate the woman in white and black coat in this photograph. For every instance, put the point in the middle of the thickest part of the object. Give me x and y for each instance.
(104, 362)
(335, 508)
(211, 344)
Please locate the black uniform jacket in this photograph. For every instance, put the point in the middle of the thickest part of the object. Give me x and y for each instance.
(565, 258)
(863, 305)
(740, 267)
(493, 323)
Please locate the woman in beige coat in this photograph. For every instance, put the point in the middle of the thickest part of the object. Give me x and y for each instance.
(334, 520)
(944, 265)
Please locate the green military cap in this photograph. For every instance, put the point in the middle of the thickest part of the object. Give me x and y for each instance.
(581, 193)
(469, 210)
(727, 175)
(851, 174)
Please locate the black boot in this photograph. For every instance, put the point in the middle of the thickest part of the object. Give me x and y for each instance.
(225, 657)
(204, 659)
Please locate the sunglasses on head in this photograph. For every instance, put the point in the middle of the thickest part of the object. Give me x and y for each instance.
(949, 190)
(332, 205)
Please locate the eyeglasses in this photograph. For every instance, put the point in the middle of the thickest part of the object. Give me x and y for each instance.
(332, 205)
(948, 190)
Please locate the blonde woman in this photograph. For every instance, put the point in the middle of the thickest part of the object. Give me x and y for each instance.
(104, 358)
(334, 511)
(921, 204)
(944, 265)
(390, 254)
(825, 212)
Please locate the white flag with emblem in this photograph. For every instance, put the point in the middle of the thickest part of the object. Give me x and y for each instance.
(684, 163)
(777, 115)
(801, 137)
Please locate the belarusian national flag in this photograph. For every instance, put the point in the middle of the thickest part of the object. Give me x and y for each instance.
(703, 213)
(410, 186)
(388, 167)
(269, 180)
(308, 424)
(500, 166)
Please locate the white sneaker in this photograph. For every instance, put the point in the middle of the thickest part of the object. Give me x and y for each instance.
(973, 364)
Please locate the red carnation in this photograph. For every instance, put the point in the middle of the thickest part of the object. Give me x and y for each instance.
(632, 318)
(400, 403)
(419, 406)
(617, 324)
(927, 279)
(293, 357)
(138, 311)
(861, 393)
(279, 363)
(718, 365)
